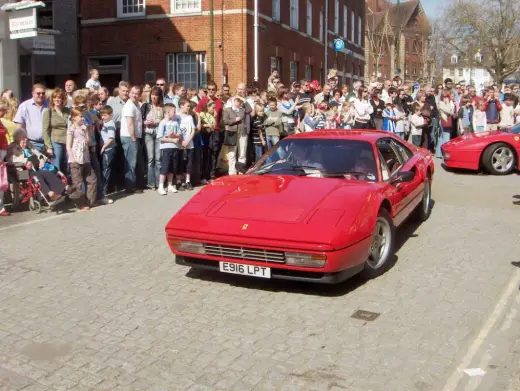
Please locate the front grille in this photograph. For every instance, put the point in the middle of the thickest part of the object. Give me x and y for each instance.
(245, 253)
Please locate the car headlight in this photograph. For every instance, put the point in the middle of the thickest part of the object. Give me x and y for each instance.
(305, 260)
(446, 155)
(188, 247)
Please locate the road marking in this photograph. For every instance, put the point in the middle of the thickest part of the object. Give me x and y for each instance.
(456, 376)
(34, 221)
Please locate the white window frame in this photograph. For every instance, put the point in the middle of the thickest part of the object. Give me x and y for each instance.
(276, 10)
(120, 13)
(295, 15)
(172, 68)
(309, 18)
(196, 9)
(321, 25)
(293, 71)
(336, 16)
(352, 26)
(308, 72)
(345, 21)
(276, 63)
(360, 31)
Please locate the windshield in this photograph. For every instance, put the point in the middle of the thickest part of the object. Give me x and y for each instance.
(323, 158)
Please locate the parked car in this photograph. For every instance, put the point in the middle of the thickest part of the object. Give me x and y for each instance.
(495, 152)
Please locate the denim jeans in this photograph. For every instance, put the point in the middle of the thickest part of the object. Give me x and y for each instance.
(133, 154)
(444, 137)
(400, 134)
(259, 151)
(60, 158)
(40, 146)
(153, 154)
(107, 159)
(271, 141)
(416, 140)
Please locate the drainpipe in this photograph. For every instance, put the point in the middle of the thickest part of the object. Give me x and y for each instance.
(256, 41)
(326, 36)
(212, 38)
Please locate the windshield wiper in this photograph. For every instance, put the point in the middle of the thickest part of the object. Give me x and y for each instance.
(297, 168)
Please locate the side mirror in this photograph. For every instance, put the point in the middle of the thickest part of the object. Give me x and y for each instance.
(402, 177)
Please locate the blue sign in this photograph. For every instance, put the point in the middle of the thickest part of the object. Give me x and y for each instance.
(339, 45)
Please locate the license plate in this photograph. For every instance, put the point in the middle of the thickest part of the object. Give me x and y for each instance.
(246, 270)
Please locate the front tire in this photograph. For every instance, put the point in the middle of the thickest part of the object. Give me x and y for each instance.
(381, 255)
(499, 159)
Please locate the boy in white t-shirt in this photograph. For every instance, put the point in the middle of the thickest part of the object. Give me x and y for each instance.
(507, 116)
(93, 82)
(417, 123)
(187, 134)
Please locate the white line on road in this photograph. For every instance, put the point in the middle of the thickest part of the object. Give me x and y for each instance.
(456, 376)
(32, 222)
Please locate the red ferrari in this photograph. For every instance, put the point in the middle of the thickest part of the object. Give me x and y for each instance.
(318, 207)
(497, 151)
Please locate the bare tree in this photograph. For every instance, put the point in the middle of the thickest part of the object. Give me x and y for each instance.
(489, 26)
(378, 32)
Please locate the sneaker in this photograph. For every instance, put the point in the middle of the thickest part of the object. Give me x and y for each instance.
(161, 191)
(3, 212)
(172, 189)
(180, 187)
(84, 208)
(106, 201)
(204, 182)
(188, 186)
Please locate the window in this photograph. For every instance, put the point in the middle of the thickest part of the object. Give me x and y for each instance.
(461, 72)
(188, 69)
(308, 72)
(321, 26)
(345, 22)
(352, 26)
(294, 14)
(276, 63)
(276, 10)
(403, 152)
(129, 8)
(309, 17)
(336, 16)
(293, 71)
(388, 159)
(414, 68)
(45, 16)
(180, 6)
(360, 31)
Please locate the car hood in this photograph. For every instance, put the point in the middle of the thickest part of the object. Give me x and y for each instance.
(475, 139)
(281, 208)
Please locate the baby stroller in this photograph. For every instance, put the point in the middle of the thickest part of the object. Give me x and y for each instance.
(25, 188)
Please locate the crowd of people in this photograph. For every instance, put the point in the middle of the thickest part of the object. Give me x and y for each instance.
(168, 138)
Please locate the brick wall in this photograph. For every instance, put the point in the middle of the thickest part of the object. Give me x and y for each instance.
(147, 41)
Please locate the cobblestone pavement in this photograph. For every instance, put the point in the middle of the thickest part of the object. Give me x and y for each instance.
(93, 301)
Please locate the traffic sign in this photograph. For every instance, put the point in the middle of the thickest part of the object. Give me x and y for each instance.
(339, 44)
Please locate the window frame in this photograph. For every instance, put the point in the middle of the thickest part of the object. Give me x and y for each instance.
(121, 15)
(294, 13)
(308, 72)
(185, 11)
(353, 26)
(308, 27)
(360, 31)
(276, 10)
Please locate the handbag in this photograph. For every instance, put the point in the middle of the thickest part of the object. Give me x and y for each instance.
(4, 185)
(448, 123)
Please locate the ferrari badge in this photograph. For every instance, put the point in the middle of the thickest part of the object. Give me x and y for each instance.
(517, 138)
(244, 227)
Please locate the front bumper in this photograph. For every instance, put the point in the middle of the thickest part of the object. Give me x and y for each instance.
(278, 273)
(340, 264)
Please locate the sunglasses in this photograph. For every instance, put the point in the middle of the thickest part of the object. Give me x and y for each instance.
(159, 85)
(211, 89)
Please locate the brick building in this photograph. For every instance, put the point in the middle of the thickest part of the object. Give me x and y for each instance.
(140, 40)
(401, 32)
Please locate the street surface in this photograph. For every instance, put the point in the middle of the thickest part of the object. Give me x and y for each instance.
(94, 301)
